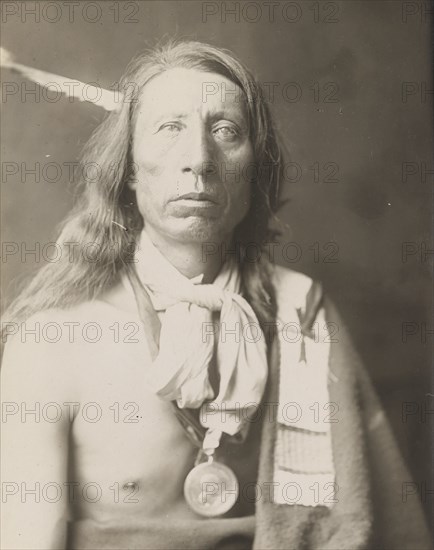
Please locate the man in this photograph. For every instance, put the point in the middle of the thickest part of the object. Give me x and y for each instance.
(208, 406)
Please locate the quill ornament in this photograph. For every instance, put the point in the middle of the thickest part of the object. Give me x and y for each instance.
(107, 99)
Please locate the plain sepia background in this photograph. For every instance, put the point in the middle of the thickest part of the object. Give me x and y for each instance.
(359, 137)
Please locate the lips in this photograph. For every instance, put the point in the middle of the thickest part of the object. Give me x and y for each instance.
(200, 197)
(196, 204)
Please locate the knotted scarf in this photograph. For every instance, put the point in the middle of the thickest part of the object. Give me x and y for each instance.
(189, 338)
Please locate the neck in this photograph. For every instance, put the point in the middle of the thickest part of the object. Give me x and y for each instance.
(191, 258)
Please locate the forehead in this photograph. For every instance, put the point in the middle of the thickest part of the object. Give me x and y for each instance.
(182, 92)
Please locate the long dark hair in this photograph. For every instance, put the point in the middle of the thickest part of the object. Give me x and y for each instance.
(106, 213)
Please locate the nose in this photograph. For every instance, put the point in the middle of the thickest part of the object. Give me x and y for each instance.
(199, 153)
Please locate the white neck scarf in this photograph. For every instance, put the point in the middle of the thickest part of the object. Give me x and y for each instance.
(188, 339)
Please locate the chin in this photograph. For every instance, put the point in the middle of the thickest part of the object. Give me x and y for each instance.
(199, 230)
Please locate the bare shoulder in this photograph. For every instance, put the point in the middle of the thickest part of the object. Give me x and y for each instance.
(47, 355)
(33, 365)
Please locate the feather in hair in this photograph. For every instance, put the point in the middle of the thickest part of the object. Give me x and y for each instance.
(71, 88)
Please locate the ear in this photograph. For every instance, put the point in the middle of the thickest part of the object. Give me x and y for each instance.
(132, 184)
(132, 174)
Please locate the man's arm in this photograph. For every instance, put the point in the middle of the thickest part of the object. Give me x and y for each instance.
(34, 446)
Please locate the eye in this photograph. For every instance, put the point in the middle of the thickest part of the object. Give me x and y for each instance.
(226, 133)
(170, 128)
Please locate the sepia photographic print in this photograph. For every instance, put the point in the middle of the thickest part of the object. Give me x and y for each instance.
(216, 264)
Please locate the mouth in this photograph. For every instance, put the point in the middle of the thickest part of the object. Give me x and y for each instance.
(197, 198)
(196, 204)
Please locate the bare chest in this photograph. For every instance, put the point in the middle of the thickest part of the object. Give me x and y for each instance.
(130, 455)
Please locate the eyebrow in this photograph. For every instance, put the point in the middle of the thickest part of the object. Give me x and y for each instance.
(168, 115)
(239, 114)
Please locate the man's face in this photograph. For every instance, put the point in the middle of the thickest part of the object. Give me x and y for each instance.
(192, 151)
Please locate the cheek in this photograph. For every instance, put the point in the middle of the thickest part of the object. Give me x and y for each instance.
(149, 199)
(239, 193)
(149, 173)
(238, 177)
(238, 196)
(148, 166)
(150, 157)
(244, 199)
